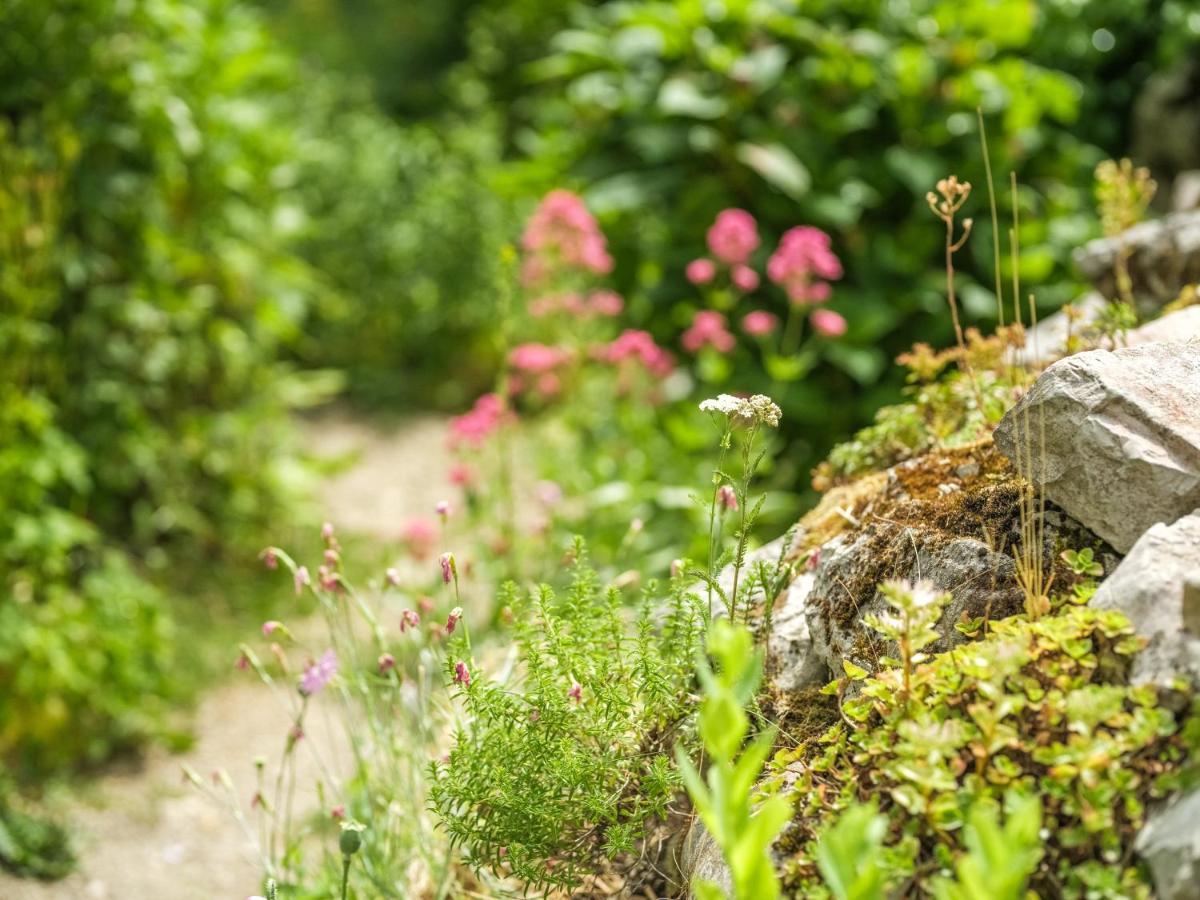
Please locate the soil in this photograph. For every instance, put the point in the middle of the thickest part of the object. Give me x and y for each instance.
(143, 833)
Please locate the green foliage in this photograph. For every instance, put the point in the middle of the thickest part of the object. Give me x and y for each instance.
(847, 854)
(724, 797)
(839, 115)
(31, 846)
(565, 761)
(1043, 707)
(999, 858)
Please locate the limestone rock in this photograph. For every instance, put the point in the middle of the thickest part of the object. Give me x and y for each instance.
(1113, 437)
(1158, 587)
(792, 660)
(1179, 327)
(703, 860)
(1047, 342)
(1170, 844)
(1164, 256)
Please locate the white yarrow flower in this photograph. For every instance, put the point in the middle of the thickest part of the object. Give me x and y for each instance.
(760, 408)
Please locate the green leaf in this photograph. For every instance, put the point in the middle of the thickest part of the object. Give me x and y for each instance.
(778, 166)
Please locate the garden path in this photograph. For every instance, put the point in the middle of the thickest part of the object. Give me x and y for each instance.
(142, 833)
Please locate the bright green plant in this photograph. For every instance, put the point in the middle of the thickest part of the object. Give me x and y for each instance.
(742, 826)
(1044, 706)
(561, 760)
(999, 858)
(848, 854)
(911, 623)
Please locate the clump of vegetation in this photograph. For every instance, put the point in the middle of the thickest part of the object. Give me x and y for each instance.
(30, 845)
(1043, 706)
(565, 761)
(945, 409)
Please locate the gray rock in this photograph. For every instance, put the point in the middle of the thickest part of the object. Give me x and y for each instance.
(1164, 256)
(1047, 341)
(793, 662)
(1158, 587)
(1113, 437)
(1179, 327)
(1170, 844)
(703, 860)
(982, 581)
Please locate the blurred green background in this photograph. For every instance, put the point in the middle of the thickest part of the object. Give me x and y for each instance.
(214, 213)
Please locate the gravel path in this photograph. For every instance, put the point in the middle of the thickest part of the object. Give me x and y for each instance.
(143, 833)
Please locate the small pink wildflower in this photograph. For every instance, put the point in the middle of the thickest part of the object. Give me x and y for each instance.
(744, 278)
(549, 493)
(727, 497)
(443, 508)
(561, 233)
(392, 576)
(332, 558)
(708, 329)
(426, 604)
(409, 619)
(605, 303)
(814, 560)
(733, 237)
(318, 674)
(301, 579)
(338, 813)
(453, 619)
(387, 662)
(537, 358)
(327, 532)
(243, 662)
(576, 691)
(759, 323)
(828, 323)
(270, 558)
(639, 345)
(418, 536)
(461, 674)
(474, 426)
(701, 271)
(327, 578)
(802, 258)
(270, 627)
(461, 474)
(449, 568)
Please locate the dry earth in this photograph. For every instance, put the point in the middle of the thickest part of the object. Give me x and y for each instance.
(145, 834)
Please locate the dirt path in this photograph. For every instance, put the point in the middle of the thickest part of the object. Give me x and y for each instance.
(145, 834)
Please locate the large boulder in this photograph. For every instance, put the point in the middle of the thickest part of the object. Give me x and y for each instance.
(1170, 844)
(1158, 587)
(1164, 257)
(1047, 341)
(1113, 437)
(793, 661)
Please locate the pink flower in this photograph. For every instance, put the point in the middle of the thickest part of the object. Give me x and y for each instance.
(243, 662)
(270, 558)
(548, 384)
(562, 234)
(387, 662)
(576, 691)
(549, 493)
(708, 329)
(534, 715)
(474, 426)
(442, 508)
(461, 474)
(392, 576)
(452, 620)
(449, 569)
(269, 628)
(327, 578)
(759, 323)
(318, 674)
(828, 323)
(301, 579)
(640, 346)
(461, 674)
(327, 532)
(409, 619)
(744, 278)
(605, 303)
(733, 237)
(814, 560)
(727, 497)
(801, 259)
(418, 536)
(701, 271)
(426, 604)
(338, 813)
(537, 357)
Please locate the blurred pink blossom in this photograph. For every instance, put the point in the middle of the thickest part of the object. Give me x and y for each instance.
(727, 497)
(318, 674)
(744, 278)
(462, 675)
(301, 579)
(605, 303)
(708, 329)
(461, 474)
(409, 619)
(640, 346)
(534, 357)
(802, 258)
(733, 237)
(474, 426)
(759, 323)
(701, 271)
(561, 233)
(828, 323)
(418, 536)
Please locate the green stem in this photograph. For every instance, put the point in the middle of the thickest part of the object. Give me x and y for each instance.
(345, 875)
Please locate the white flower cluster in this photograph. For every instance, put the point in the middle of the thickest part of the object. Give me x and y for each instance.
(760, 408)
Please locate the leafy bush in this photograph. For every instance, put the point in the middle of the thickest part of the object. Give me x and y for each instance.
(1041, 706)
(836, 115)
(564, 763)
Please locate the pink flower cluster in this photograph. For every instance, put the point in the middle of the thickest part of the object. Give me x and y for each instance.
(639, 346)
(561, 233)
(474, 426)
(537, 358)
(759, 323)
(803, 264)
(318, 674)
(596, 303)
(732, 239)
(708, 330)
